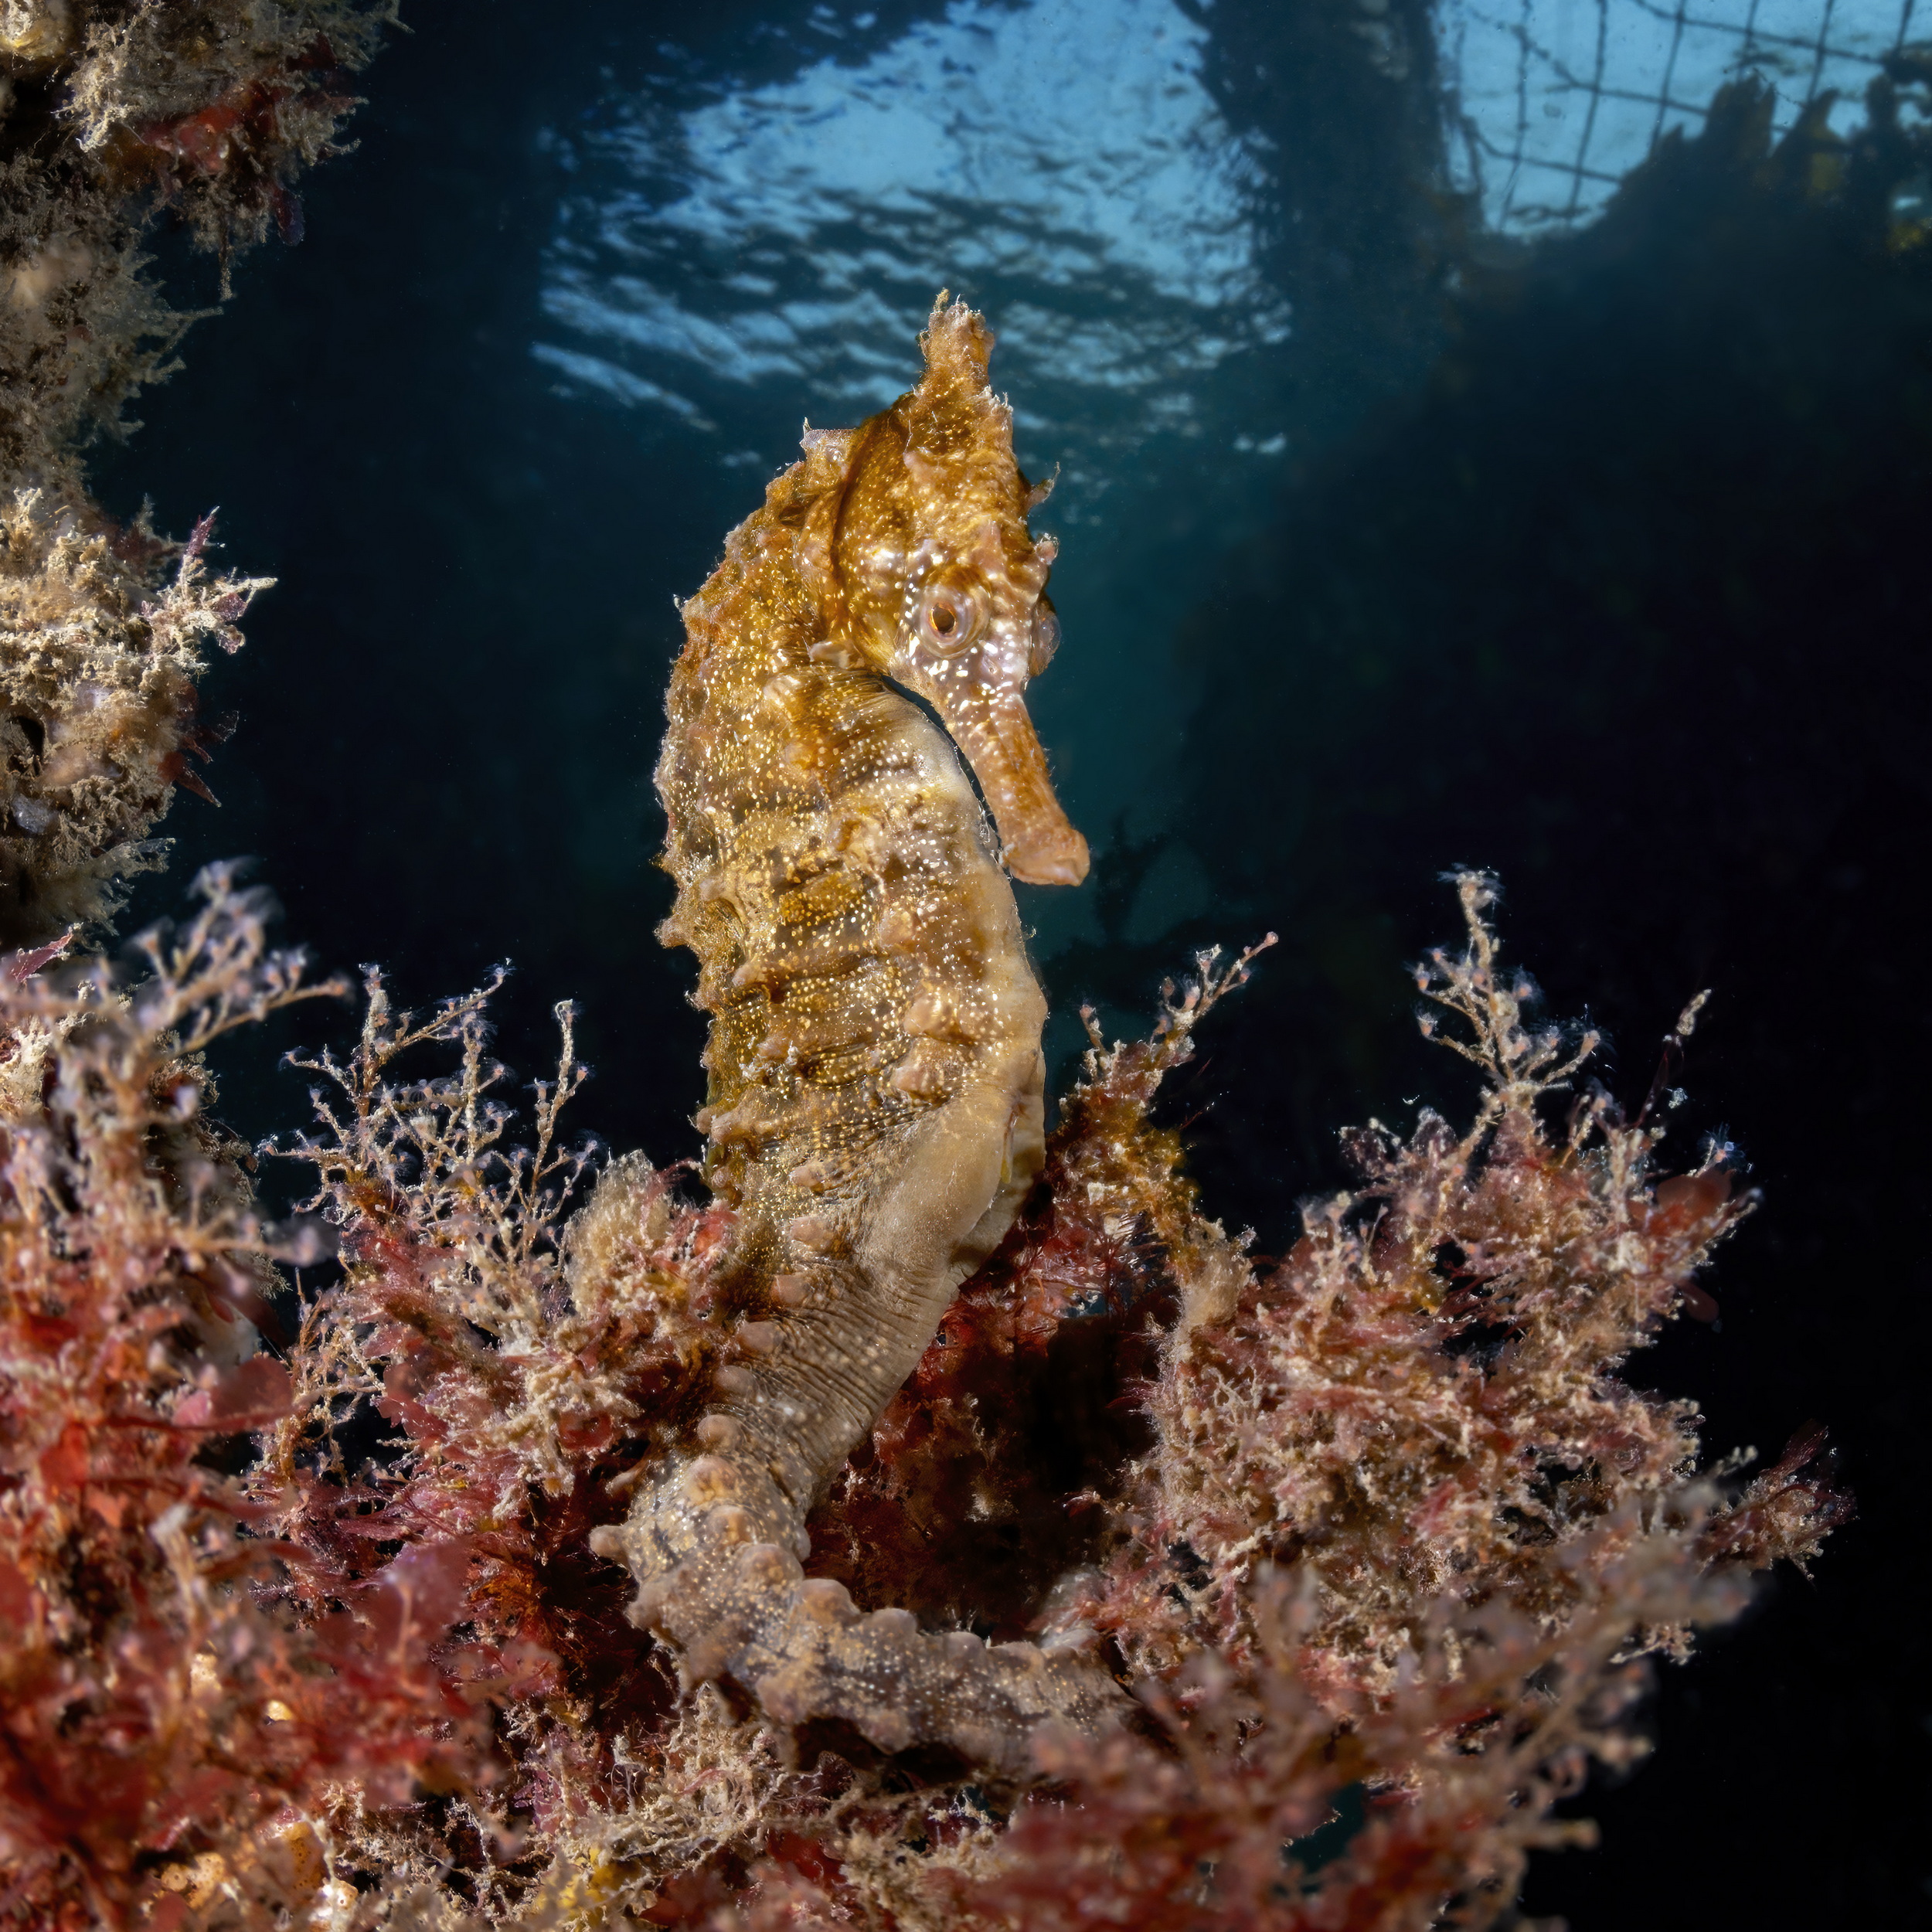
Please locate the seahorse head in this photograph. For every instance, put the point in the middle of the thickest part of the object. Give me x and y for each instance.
(938, 584)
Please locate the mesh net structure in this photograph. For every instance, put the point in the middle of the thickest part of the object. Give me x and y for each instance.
(1555, 101)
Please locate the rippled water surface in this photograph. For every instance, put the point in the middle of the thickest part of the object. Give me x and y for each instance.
(726, 246)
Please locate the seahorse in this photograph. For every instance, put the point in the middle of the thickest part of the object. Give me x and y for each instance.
(875, 1107)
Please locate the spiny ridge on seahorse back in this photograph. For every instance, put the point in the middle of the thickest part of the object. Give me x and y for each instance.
(875, 1110)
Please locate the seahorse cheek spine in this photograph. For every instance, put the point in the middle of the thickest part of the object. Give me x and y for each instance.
(876, 1081)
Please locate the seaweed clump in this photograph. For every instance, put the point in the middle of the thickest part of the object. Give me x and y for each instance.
(170, 1723)
(1376, 1538)
(112, 113)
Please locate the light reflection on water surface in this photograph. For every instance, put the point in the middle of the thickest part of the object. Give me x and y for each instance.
(1063, 163)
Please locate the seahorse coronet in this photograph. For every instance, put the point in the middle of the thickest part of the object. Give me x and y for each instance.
(875, 1109)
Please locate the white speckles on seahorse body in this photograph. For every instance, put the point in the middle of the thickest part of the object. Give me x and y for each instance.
(875, 1109)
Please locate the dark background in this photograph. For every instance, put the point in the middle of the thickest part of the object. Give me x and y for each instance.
(1604, 566)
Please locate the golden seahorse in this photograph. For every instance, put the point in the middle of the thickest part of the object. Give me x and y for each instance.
(874, 1114)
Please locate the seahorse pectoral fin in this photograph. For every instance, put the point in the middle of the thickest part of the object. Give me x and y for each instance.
(991, 726)
(1024, 1154)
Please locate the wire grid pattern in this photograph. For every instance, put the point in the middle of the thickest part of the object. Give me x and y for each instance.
(1558, 100)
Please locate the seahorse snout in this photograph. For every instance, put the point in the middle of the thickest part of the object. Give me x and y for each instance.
(1038, 842)
(1056, 856)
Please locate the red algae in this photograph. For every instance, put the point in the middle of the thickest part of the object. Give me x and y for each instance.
(167, 1719)
(1375, 1538)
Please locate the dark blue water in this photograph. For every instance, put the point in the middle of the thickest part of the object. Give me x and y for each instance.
(1430, 493)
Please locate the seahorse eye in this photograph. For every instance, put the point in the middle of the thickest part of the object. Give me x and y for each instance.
(952, 614)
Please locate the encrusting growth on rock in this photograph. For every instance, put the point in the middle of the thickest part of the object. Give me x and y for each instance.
(877, 1083)
(111, 111)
